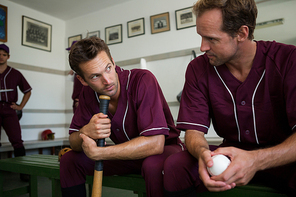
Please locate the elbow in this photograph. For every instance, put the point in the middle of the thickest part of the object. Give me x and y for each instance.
(159, 145)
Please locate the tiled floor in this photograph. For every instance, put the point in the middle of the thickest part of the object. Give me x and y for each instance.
(12, 180)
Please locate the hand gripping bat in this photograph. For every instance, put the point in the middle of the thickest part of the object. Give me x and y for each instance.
(98, 172)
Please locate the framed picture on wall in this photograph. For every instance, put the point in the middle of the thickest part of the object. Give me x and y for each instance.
(36, 34)
(113, 34)
(3, 23)
(136, 27)
(93, 34)
(185, 18)
(160, 23)
(74, 38)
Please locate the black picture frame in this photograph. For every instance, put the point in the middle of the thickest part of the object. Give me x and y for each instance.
(36, 34)
(136, 27)
(113, 34)
(185, 18)
(71, 39)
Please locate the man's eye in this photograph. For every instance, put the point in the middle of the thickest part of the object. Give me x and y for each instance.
(95, 76)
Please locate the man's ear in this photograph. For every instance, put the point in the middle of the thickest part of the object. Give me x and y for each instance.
(243, 33)
(81, 80)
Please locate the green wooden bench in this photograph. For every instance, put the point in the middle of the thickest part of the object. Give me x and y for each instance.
(48, 166)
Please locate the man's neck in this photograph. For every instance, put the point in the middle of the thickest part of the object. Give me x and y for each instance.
(2, 68)
(241, 66)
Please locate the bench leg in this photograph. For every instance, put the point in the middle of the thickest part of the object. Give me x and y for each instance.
(56, 188)
(33, 186)
(1, 183)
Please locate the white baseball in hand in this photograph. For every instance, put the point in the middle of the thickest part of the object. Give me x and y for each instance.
(221, 162)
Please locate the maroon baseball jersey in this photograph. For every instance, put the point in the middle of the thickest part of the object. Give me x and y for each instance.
(142, 109)
(9, 80)
(258, 112)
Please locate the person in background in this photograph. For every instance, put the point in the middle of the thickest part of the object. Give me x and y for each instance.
(247, 89)
(139, 122)
(10, 79)
(77, 86)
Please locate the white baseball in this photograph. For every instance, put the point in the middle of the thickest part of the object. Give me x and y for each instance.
(221, 162)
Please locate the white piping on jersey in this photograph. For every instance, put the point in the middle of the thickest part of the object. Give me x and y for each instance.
(193, 124)
(253, 107)
(182, 147)
(234, 105)
(5, 84)
(293, 127)
(154, 129)
(73, 129)
(123, 121)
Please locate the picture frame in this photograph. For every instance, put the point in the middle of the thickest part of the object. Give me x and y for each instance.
(74, 38)
(93, 34)
(160, 23)
(185, 18)
(113, 34)
(136, 27)
(36, 34)
(3, 23)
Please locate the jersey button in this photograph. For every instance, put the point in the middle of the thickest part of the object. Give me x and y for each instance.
(247, 132)
(243, 102)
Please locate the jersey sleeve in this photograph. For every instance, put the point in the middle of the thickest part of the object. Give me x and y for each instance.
(23, 84)
(290, 90)
(149, 99)
(82, 114)
(194, 105)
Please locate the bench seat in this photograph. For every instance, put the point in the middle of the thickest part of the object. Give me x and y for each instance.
(48, 166)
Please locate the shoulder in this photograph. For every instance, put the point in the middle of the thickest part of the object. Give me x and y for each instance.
(198, 68)
(275, 50)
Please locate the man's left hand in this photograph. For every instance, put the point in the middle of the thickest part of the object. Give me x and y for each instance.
(242, 167)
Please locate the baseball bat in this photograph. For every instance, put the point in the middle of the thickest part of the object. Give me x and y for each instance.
(98, 172)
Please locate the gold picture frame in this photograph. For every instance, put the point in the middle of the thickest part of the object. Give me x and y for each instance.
(160, 23)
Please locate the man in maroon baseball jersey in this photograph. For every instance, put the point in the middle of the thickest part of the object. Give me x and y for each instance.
(247, 89)
(139, 122)
(10, 79)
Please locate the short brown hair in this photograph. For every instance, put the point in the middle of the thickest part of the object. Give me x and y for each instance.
(235, 13)
(86, 50)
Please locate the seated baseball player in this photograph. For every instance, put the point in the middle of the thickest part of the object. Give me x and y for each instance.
(247, 88)
(139, 122)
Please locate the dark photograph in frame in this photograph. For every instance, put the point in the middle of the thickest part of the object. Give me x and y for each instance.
(74, 38)
(136, 27)
(3, 23)
(36, 34)
(185, 18)
(93, 34)
(113, 34)
(160, 23)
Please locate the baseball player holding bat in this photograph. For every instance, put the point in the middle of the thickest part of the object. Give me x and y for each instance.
(138, 121)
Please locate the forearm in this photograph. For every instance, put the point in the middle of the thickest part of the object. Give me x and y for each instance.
(137, 148)
(75, 141)
(196, 142)
(279, 155)
(25, 99)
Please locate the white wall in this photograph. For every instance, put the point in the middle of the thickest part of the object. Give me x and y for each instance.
(48, 89)
(54, 91)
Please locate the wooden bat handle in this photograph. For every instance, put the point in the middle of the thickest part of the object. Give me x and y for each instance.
(98, 173)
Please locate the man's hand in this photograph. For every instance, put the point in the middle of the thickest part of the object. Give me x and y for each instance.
(16, 107)
(89, 146)
(98, 127)
(241, 169)
(205, 160)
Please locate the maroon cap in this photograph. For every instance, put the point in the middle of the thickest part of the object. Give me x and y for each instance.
(4, 47)
(68, 49)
